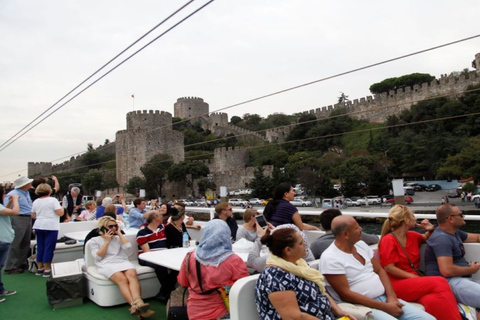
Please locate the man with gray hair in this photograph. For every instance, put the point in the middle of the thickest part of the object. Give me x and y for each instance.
(73, 201)
(354, 275)
(445, 255)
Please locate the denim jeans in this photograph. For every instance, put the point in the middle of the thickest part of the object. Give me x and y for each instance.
(466, 290)
(4, 246)
(410, 312)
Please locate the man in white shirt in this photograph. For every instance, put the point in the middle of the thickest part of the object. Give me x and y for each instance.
(354, 275)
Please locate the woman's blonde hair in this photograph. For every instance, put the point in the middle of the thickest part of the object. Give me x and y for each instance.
(248, 214)
(102, 222)
(396, 217)
(43, 189)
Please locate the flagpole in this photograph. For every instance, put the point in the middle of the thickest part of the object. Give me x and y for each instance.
(133, 102)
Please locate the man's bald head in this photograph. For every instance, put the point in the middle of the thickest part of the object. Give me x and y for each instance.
(341, 224)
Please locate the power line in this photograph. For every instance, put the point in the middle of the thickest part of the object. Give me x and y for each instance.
(324, 79)
(3, 146)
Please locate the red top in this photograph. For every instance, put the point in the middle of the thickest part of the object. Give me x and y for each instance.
(391, 252)
(210, 306)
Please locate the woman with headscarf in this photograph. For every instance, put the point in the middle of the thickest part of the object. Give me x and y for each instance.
(280, 211)
(288, 288)
(219, 268)
(399, 249)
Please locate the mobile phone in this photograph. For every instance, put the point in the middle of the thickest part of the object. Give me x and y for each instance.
(262, 222)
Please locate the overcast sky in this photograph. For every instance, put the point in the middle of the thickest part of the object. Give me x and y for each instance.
(229, 52)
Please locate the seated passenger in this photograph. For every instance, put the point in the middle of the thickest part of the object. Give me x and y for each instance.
(324, 241)
(400, 257)
(258, 261)
(111, 250)
(188, 220)
(219, 269)
(89, 213)
(223, 211)
(354, 275)
(176, 228)
(288, 288)
(280, 211)
(249, 228)
(153, 238)
(96, 232)
(445, 256)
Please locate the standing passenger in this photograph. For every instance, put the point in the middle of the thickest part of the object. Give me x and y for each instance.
(6, 235)
(22, 225)
(46, 211)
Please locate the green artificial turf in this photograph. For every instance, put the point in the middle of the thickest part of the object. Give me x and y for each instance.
(31, 302)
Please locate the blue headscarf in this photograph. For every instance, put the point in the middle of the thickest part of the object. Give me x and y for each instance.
(215, 244)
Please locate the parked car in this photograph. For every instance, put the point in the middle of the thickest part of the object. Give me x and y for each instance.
(387, 197)
(327, 203)
(297, 202)
(256, 201)
(186, 202)
(419, 187)
(408, 200)
(409, 191)
(453, 193)
(238, 202)
(371, 200)
(351, 203)
(433, 187)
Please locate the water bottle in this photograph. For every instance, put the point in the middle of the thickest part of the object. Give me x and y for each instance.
(186, 241)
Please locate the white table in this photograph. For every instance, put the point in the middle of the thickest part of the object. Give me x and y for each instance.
(173, 258)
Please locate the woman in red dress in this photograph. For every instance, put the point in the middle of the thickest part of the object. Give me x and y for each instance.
(399, 250)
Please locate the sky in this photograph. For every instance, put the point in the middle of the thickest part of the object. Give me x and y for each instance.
(229, 52)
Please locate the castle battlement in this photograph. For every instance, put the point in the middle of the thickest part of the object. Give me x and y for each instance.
(143, 112)
(189, 98)
(378, 107)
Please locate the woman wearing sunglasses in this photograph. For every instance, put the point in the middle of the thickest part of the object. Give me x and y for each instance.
(399, 249)
(111, 250)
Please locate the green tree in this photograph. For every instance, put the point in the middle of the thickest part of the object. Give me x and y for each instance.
(91, 181)
(463, 164)
(407, 80)
(235, 120)
(261, 184)
(155, 172)
(188, 172)
(205, 184)
(92, 160)
(134, 185)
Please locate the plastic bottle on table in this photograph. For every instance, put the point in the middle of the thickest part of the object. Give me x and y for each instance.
(125, 220)
(185, 239)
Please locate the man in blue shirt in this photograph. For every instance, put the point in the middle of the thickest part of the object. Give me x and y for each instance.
(445, 255)
(22, 225)
(138, 215)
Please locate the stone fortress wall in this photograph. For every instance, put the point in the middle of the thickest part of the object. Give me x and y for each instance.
(46, 168)
(378, 107)
(148, 133)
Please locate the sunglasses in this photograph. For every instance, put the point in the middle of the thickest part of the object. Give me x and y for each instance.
(461, 215)
(113, 226)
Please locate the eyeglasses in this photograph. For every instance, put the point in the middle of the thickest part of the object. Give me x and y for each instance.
(461, 215)
(113, 226)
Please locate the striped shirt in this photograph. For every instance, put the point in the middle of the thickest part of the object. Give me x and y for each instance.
(156, 240)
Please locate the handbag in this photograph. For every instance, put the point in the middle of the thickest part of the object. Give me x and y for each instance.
(421, 273)
(175, 310)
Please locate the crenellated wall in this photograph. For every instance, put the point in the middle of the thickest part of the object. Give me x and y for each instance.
(39, 169)
(233, 129)
(148, 133)
(190, 107)
(227, 159)
(278, 134)
(377, 108)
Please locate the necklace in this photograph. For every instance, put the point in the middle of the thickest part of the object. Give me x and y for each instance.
(177, 227)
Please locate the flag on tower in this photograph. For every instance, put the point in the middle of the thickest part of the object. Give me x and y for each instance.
(133, 96)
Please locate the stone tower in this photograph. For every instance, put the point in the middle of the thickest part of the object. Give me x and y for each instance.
(190, 107)
(477, 62)
(148, 133)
